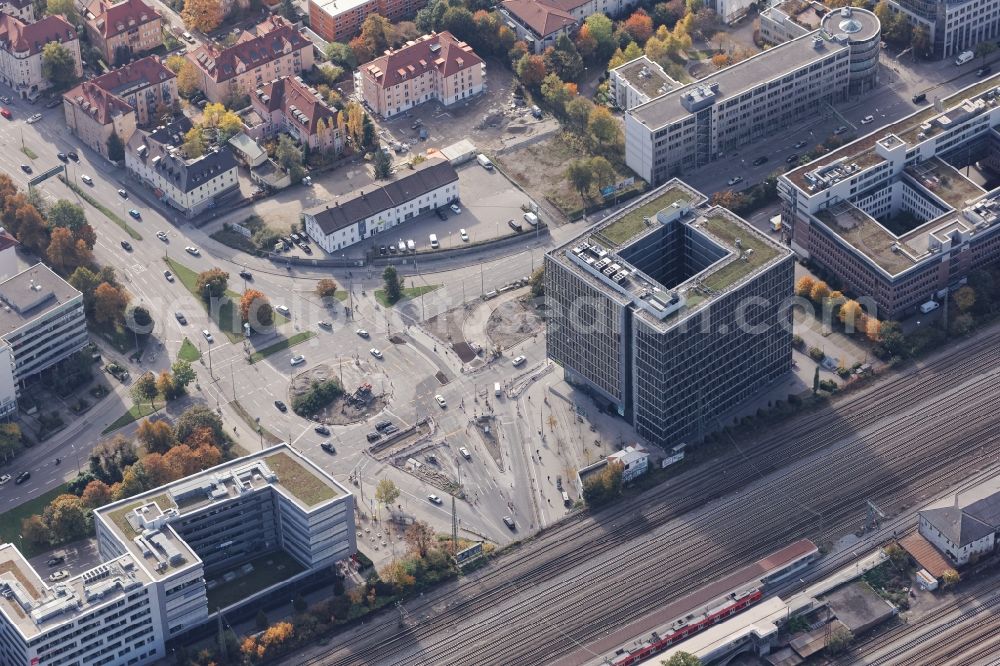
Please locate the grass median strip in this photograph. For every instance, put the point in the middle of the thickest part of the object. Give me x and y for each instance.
(10, 519)
(227, 308)
(134, 413)
(188, 352)
(278, 346)
(409, 292)
(80, 192)
(32, 155)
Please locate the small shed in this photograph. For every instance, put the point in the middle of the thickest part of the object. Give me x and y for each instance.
(247, 150)
(459, 152)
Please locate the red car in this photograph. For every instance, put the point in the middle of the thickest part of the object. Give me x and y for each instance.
(6, 113)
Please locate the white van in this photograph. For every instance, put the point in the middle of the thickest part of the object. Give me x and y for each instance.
(776, 223)
(964, 57)
(401, 246)
(496, 389)
(929, 306)
(484, 162)
(411, 246)
(565, 497)
(434, 241)
(531, 219)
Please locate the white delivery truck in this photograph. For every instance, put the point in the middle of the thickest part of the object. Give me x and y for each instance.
(531, 219)
(484, 162)
(776, 223)
(929, 306)
(434, 241)
(496, 389)
(964, 57)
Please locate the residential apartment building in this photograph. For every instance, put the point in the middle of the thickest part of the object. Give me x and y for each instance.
(638, 81)
(693, 125)
(340, 20)
(288, 105)
(363, 214)
(891, 215)
(189, 185)
(124, 30)
(93, 114)
(672, 311)
(273, 50)
(953, 27)
(41, 321)
(21, 47)
(435, 66)
(541, 22)
(119, 101)
(23, 10)
(167, 556)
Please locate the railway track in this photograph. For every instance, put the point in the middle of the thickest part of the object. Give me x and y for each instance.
(524, 609)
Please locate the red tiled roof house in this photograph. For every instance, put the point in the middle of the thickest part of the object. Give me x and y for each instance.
(121, 31)
(435, 66)
(21, 47)
(289, 105)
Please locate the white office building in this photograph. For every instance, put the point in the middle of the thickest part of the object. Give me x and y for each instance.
(41, 323)
(363, 214)
(171, 556)
(953, 27)
(690, 126)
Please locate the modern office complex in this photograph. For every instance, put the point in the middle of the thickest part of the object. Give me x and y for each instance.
(41, 323)
(892, 215)
(672, 310)
(693, 125)
(638, 81)
(173, 555)
(952, 26)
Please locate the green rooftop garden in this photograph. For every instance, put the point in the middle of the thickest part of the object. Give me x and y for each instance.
(632, 223)
(725, 229)
(302, 483)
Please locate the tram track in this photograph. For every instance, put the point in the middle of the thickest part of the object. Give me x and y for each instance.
(915, 449)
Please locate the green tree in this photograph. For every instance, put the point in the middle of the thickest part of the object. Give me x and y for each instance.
(62, 8)
(10, 441)
(194, 143)
(290, 157)
(58, 65)
(950, 578)
(565, 60)
(66, 214)
(144, 388)
(554, 93)
(458, 21)
(386, 493)
(985, 49)
(578, 111)
(839, 639)
(393, 288)
(212, 283)
(965, 298)
(682, 659)
(602, 126)
(601, 30)
(326, 288)
(116, 149)
(184, 374)
(537, 282)
(604, 174)
(341, 55)
(920, 41)
(531, 70)
(381, 163)
(197, 417)
(35, 533)
(580, 175)
(603, 486)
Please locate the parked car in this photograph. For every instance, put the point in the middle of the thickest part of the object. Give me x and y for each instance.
(734, 180)
(134, 213)
(58, 575)
(919, 98)
(305, 248)
(434, 498)
(515, 225)
(207, 334)
(800, 144)
(455, 208)
(373, 436)
(181, 319)
(281, 406)
(325, 324)
(840, 130)
(362, 333)
(162, 236)
(186, 36)
(21, 478)
(192, 250)
(382, 425)
(984, 70)
(508, 521)
(246, 275)
(792, 159)
(169, 276)
(85, 178)
(382, 250)
(298, 359)
(760, 160)
(62, 157)
(73, 156)
(53, 103)
(441, 401)
(867, 119)
(5, 112)
(322, 430)
(123, 194)
(4, 478)
(518, 361)
(464, 235)
(465, 453)
(26, 168)
(283, 310)
(34, 118)
(375, 352)
(55, 560)
(328, 447)
(126, 246)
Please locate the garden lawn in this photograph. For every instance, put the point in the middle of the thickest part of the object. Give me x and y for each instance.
(10, 520)
(188, 352)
